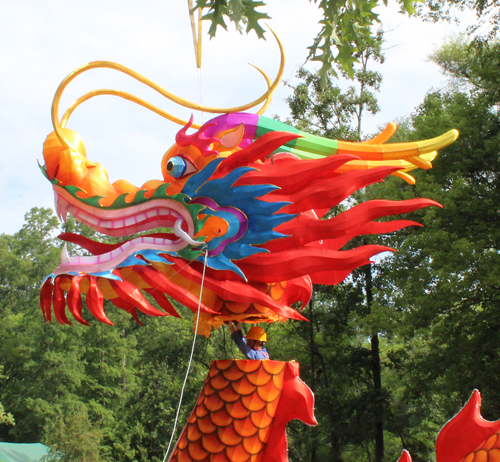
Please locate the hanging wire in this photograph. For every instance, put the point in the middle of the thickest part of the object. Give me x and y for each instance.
(197, 31)
(197, 50)
(200, 86)
(190, 358)
(198, 63)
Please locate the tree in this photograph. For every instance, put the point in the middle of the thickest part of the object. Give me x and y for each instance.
(95, 392)
(328, 110)
(442, 285)
(74, 439)
(343, 338)
(6, 418)
(346, 26)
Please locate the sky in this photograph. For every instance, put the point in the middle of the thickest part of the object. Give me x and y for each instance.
(43, 41)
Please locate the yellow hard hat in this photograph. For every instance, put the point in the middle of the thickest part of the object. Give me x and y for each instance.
(256, 333)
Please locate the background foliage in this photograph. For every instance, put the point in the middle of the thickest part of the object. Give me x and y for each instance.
(427, 317)
(347, 27)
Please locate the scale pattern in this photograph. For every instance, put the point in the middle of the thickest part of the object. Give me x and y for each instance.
(468, 437)
(489, 451)
(234, 415)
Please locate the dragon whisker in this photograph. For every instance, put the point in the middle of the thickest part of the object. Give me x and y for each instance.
(179, 232)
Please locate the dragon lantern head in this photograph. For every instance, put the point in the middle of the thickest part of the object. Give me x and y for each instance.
(243, 195)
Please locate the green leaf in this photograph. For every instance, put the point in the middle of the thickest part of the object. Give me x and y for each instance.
(242, 13)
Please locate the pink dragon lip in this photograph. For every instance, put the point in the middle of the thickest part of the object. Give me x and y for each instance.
(110, 260)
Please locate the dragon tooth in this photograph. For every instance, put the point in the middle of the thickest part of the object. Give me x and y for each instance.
(56, 205)
(118, 224)
(152, 213)
(65, 260)
(91, 219)
(105, 224)
(64, 215)
(130, 221)
(60, 206)
(141, 217)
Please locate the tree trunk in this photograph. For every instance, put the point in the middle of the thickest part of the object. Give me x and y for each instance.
(335, 454)
(314, 430)
(377, 376)
(124, 364)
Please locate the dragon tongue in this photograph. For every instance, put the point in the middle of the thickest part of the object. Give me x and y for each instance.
(95, 248)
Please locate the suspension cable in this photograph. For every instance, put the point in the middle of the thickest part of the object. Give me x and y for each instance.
(190, 358)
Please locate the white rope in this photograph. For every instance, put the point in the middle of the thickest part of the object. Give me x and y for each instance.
(191, 357)
(179, 232)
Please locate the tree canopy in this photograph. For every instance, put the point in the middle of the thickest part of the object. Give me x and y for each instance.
(347, 27)
(103, 392)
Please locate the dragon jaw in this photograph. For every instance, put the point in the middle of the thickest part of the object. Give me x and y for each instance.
(167, 213)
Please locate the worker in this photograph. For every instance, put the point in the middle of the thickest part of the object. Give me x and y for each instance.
(252, 345)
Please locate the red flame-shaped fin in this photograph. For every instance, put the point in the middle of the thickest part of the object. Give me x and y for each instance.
(468, 436)
(405, 456)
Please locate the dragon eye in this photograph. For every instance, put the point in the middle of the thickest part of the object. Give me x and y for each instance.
(179, 167)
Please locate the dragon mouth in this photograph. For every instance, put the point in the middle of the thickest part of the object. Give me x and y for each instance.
(123, 222)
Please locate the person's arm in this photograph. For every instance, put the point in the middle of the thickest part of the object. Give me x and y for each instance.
(237, 337)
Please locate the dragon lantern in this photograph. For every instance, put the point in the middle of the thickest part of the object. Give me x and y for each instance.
(244, 196)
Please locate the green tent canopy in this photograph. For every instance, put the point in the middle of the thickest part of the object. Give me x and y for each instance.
(27, 452)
